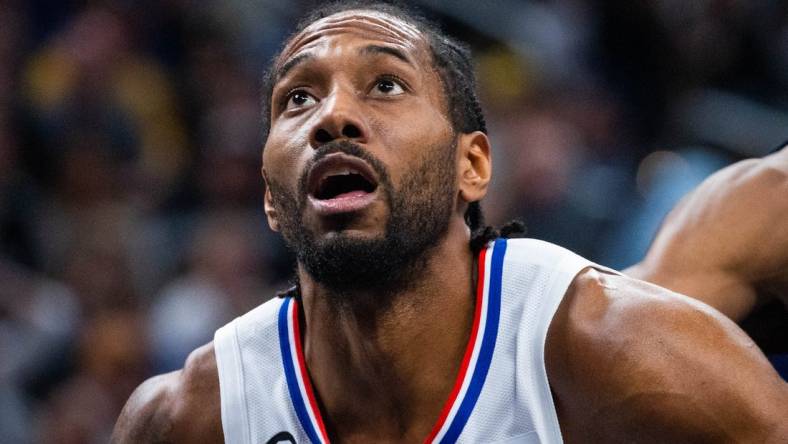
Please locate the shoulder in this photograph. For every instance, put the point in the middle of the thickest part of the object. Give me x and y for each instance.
(737, 198)
(525, 252)
(182, 406)
(755, 173)
(765, 179)
(752, 190)
(723, 237)
(632, 361)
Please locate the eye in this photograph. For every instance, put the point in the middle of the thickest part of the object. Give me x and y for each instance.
(387, 87)
(299, 99)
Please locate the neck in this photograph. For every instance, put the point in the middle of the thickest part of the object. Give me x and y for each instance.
(384, 371)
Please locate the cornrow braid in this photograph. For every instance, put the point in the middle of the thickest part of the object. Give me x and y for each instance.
(478, 114)
(482, 234)
(293, 291)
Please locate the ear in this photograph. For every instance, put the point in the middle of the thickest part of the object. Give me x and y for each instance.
(474, 165)
(270, 211)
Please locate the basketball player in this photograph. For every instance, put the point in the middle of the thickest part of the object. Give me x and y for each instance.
(726, 243)
(410, 322)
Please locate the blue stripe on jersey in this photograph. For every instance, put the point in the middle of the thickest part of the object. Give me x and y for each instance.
(290, 375)
(488, 344)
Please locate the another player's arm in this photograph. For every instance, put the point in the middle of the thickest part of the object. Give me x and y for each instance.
(726, 243)
(632, 362)
(181, 406)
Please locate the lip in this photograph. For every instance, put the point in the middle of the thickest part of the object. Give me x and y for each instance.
(344, 203)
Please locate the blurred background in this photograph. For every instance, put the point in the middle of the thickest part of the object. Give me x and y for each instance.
(131, 223)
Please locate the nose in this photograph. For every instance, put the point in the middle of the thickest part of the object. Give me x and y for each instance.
(341, 118)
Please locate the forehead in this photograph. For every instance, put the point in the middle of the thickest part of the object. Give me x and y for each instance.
(362, 24)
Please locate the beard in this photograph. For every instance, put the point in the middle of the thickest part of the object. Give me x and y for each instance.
(419, 214)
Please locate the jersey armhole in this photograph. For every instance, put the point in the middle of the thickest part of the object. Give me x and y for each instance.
(235, 424)
(563, 276)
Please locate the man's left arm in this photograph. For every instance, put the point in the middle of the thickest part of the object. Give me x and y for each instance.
(632, 362)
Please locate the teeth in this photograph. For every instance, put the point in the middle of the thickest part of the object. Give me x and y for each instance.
(344, 172)
(337, 171)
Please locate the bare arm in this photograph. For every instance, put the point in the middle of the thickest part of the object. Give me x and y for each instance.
(726, 243)
(147, 415)
(632, 362)
(181, 406)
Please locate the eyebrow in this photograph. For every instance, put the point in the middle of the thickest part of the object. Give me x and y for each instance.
(292, 63)
(369, 49)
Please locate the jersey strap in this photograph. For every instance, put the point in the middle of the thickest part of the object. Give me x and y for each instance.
(298, 383)
(479, 352)
(473, 369)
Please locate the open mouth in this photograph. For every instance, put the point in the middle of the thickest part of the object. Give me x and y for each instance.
(341, 183)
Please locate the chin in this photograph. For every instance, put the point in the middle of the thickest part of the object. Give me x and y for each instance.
(367, 224)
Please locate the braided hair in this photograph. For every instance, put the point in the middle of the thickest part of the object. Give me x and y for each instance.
(452, 60)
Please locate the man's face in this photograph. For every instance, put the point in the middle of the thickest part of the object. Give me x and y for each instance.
(360, 158)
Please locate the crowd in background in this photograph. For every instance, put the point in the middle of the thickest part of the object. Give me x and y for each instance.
(131, 223)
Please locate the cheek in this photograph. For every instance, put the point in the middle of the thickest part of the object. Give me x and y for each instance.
(413, 140)
(283, 161)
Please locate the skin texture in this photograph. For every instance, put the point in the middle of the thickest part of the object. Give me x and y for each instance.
(632, 362)
(726, 243)
(182, 406)
(383, 375)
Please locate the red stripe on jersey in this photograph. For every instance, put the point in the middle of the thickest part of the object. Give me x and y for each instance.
(305, 376)
(468, 350)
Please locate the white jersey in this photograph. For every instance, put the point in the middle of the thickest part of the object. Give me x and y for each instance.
(501, 394)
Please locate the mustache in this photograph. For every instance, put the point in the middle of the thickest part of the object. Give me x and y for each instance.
(345, 147)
